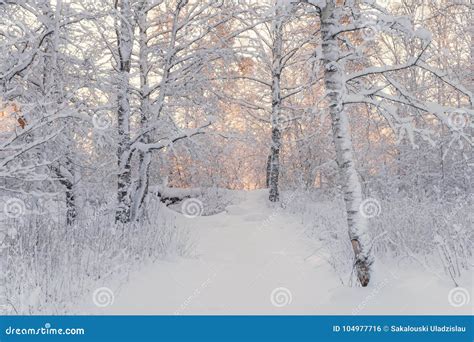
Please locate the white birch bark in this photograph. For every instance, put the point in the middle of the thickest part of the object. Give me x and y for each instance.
(141, 188)
(335, 89)
(125, 44)
(276, 120)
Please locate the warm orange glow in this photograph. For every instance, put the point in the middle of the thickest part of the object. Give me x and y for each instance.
(11, 117)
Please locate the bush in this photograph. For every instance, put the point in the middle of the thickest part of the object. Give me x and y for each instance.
(51, 265)
(435, 235)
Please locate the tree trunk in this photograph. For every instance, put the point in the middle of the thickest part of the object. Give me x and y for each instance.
(65, 175)
(71, 212)
(124, 40)
(276, 119)
(334, 82)
(141, 188)
(52, 89)
(269, 167)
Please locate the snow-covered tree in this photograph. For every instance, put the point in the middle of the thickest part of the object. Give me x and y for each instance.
(41, 83)
(273, 50)
(354, 77)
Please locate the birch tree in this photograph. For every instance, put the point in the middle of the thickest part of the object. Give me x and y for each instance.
(334, 78)
(276, 69)
(352, 78)
(124, 31)
(274, 47)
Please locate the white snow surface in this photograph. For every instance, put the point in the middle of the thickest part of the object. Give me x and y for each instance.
(244, 254)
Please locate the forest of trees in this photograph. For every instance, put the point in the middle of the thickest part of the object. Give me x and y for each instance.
(107, 106)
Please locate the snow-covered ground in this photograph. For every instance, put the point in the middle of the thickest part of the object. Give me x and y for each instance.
(255, 259)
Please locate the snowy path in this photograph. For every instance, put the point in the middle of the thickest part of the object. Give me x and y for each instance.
(239, 261)
(242, 256)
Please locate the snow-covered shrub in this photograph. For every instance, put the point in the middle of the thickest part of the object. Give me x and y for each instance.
(436, 235)
(208, 201)
(324, 219)
(215, 200)
(50, 265)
